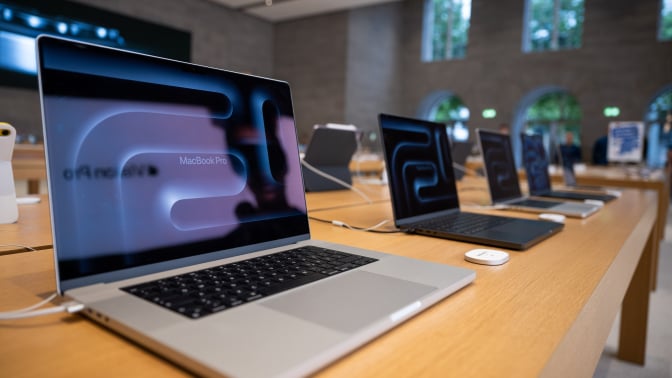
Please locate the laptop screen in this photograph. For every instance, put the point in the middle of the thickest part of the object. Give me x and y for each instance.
(567, 161)
(499, 165)
(536, 164)
(419, 166)
(154, 162)
(331, 146)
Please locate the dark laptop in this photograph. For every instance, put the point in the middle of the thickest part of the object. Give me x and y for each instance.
(424, 193)
(538, 179)
(569, 176)
(500, 169)
(329, 152)
(460, 152)
(179, 219)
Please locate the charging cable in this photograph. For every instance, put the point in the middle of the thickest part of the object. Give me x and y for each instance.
(466, 170)
(373, 228)
(31, 311)
(336, 180)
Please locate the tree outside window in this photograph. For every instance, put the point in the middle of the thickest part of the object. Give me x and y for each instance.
(659, 129)
(452, 112)
(445, 29)
(553, 25)
(665, 22)
(557, 117)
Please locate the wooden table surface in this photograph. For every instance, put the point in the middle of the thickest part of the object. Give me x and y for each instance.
(33, 228)
(547, 312)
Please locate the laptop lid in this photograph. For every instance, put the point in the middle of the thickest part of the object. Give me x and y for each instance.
(155, 164)
(567, 162)
(460, 152)
(536, 164)
(420, 168)
(329, 151)
(500, 167)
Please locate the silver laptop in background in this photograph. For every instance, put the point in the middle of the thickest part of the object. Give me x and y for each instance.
(504, 186)
(167, 177)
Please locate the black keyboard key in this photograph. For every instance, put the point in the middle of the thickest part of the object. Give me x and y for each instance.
(216, 289)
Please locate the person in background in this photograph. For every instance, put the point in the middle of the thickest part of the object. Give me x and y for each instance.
(600, 151)
(569, 150)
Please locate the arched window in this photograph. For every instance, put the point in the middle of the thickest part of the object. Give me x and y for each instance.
(659, 128)
(447, 108)
(557, 116)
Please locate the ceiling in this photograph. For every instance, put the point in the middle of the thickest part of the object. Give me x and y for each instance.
(283, 10)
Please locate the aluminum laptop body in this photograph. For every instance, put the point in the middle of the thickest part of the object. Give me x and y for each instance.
(500, 169)
(158, 167)
(423, 188)
(538, 179)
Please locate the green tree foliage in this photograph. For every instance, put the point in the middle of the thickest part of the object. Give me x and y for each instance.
(665, 29)
(557, 109)
(555, 24)
(453, 15)
(449, 110)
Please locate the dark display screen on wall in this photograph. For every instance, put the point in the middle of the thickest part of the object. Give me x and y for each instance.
(21, 21)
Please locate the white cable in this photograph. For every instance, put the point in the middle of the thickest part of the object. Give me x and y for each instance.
(466, 170)
(30, 311)
(70, 308)
(343, 224)
(40, 304)
(336, 180)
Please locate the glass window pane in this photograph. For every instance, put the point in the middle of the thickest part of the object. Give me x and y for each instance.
(540, 24)
(446, 29)
(554, 24)
(665, 28)
(570, 25)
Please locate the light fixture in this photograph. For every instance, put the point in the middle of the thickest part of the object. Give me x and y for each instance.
(62, 27)
(489, 113)
(611, 111)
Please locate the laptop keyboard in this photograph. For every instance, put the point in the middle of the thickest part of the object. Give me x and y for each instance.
(216, 289)
(464, 223)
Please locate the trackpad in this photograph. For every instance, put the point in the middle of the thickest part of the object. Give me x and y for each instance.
(349, 302)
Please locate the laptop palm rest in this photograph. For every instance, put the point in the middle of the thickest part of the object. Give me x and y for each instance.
(348, 305)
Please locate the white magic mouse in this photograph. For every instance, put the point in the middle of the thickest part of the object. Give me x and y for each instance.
(559, 218)
(486, 256)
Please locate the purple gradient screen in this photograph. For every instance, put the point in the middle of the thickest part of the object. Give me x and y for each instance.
(152, 160)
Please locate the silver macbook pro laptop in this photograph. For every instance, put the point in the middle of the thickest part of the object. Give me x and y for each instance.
(538, 178)
(179, 219)
(500, 169)
(424, 193)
